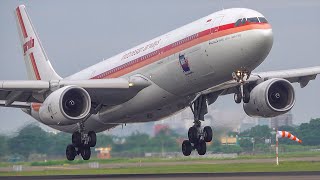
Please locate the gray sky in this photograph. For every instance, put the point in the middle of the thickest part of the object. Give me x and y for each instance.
(77, 34)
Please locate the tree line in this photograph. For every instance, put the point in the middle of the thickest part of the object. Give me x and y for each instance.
(34, 140)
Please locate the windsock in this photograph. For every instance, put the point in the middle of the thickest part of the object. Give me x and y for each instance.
(285, 134)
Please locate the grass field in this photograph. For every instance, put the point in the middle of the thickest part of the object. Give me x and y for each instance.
(188, 168)
(136, 160)
(199, 165)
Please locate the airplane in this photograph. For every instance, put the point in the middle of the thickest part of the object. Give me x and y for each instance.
(188, 67)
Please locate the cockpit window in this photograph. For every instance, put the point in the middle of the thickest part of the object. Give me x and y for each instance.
(238, 23)
(253, 20)
(263, 20)
(244, 20)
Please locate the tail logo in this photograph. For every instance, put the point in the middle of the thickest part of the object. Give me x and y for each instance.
(28, 45)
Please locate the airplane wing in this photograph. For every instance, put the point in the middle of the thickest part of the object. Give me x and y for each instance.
(109, 92)
(302, 76)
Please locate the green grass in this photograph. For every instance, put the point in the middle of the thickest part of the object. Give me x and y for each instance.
(180, 159)
(188, 168)
(136, 160)
(283, 155)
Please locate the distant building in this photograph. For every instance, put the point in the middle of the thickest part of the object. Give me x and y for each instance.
(282, 120)
(229, 140)
(103, 152)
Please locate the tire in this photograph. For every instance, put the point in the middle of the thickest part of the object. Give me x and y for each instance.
(71, 152)
(237, 98)
(202, 147)
(207, 134)
(186, 148)
(246, 96)
(76, 139)
(93, 139)
(193, 134)
(86, 153)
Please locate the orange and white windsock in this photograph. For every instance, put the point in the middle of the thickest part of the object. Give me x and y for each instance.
(286, 134)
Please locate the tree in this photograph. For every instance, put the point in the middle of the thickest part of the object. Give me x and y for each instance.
(259, 133)
(246, 144)
(3, 146)
(57, 143)
(165, 140)
(309, 132)
(31, 139)
(104, 140)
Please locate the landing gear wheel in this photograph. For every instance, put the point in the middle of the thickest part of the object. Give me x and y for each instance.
(246, 96)
(85, 153)
(93, 139)
(186, 147)
(76, 139)
(207, 134)
(202, 147)
(193, 134)
(71, 152)
(237, 98)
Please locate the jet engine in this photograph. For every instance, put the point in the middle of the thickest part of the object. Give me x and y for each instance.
(270, 98)
(65, 106)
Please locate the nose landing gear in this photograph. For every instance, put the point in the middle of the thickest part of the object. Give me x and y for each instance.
(242, 93)
(197, 137)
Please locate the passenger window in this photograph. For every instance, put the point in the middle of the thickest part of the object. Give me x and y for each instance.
(238, 23)
(263, 20)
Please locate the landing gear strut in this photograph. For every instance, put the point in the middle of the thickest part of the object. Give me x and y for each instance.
(197, 137)
(81, 143)
(242, 92)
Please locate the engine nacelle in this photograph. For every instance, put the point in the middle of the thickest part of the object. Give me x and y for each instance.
(65, 106)
(270, 98)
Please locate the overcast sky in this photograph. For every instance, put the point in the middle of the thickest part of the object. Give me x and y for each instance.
(77, 34)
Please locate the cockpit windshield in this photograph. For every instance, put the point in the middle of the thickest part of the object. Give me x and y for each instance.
(252, 20)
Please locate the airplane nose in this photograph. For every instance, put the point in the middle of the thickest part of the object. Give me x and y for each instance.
(258, 47)
(265, 42)
(267, 37)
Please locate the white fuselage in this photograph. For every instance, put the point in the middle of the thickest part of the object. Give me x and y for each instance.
(179, 64)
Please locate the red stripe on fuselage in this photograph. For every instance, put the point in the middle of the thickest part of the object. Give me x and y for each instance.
(178, 46)
(34, 65)
(23, 28)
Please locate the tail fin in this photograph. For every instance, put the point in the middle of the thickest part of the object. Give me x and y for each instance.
(37, 62)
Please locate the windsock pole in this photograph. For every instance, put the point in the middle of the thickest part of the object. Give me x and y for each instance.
(277, 150)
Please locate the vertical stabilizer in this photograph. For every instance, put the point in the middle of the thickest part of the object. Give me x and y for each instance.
(37, 63)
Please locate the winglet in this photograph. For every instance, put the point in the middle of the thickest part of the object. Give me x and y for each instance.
(37, 63)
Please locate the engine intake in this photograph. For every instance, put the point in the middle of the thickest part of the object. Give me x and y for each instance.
(65, 106)
(270, 98)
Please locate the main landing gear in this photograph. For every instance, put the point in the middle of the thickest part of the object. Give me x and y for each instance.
(198, 137)
(242, 93)
(81, 143)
